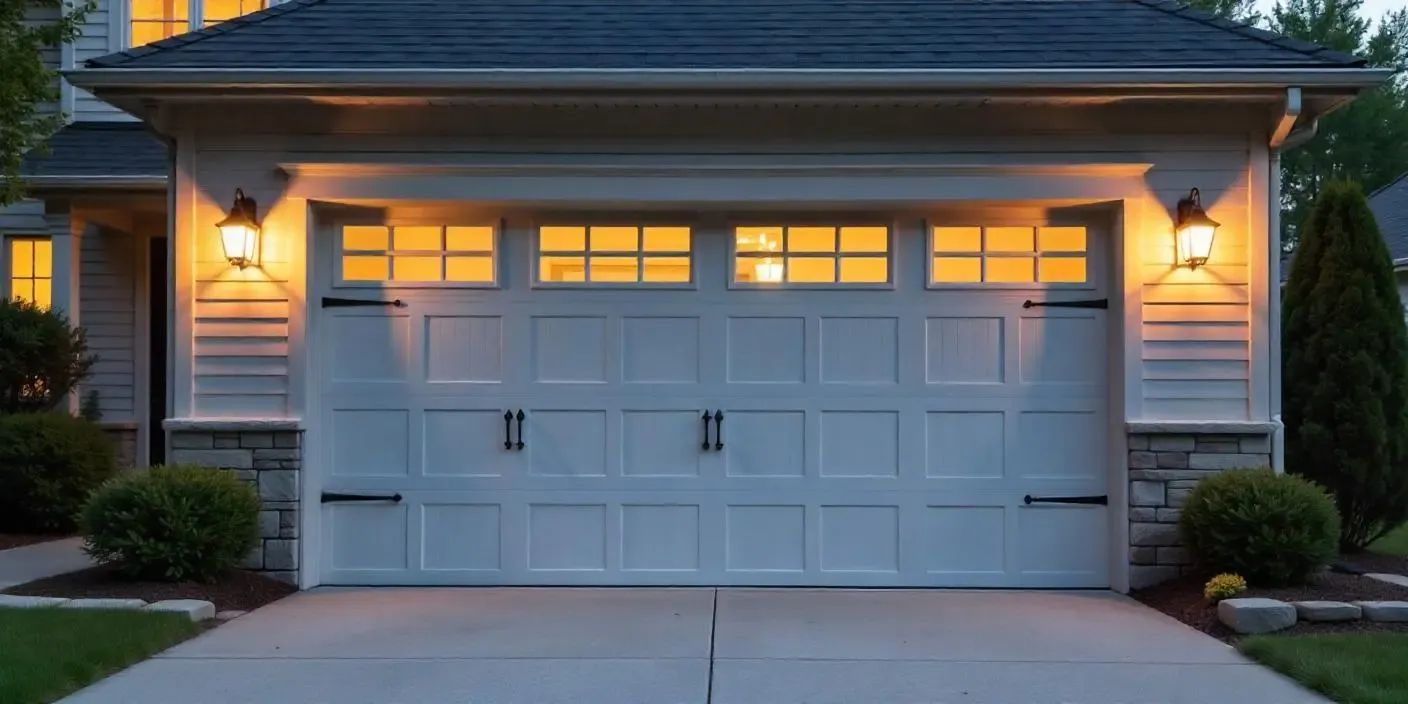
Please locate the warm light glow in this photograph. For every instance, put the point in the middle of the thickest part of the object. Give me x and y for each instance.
(419, 254)
(32, 271)
(1195, 244)
(1008, 255)
(767, 271)
(812, 254)
(239, 241)
(614, 254)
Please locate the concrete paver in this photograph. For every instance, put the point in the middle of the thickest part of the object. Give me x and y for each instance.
(31, 562)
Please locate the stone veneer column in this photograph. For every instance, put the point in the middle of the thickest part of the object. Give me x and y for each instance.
(124, 444)
(269, 460)
(1163, 468)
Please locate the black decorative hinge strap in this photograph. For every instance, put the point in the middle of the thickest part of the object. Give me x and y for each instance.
(1102, 303)
(1092, 500)
(331, 496)
(331, 302)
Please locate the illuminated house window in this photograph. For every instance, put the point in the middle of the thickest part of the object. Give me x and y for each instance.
(811, 255)
(154, 20)
(418, 254)
(614, 254)
(1008, 255)
(32, 270)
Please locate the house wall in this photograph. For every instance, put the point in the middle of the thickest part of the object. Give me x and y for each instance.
(107, 286)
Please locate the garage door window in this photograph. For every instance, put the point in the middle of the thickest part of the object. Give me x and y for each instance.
(1008, 255)
(613, 255)
(812, 255)
(418, 255)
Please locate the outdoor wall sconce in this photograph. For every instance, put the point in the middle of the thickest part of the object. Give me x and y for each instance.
(1194, 231)
(239, 231)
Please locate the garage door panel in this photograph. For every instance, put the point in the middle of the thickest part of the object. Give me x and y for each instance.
(766, 350)
(461, 537)
(464, 349)
(964, 350)
(369, 348)
(860, 350)
(660, 349)
(569, 349)
(370, 442)
(465, 443)
(652, 443)
(1055, 444)
(1063, 545)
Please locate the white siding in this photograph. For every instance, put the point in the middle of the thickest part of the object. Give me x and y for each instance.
(107, 309)
(24, 217)
(96, 41)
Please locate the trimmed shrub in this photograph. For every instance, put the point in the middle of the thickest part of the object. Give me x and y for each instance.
(1345, 352)
(42, 359)
(1223, 586)
(173, 523)
(1273, 529)
(49, 464)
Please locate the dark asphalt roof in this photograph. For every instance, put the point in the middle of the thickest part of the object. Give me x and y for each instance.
(724, 34)
(99, 149)
(1390, 206)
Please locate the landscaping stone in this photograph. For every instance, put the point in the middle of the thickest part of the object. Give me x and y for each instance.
(1398, 579)
(229, 615)
(1141, 576)
(1142, 534)
(1384, 611)
(1146, 493)
(194, 609)
(29, 602)
(104, 604)
(1323, 611)
(1251, 616)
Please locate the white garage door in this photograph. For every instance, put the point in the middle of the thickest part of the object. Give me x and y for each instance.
(753, 404)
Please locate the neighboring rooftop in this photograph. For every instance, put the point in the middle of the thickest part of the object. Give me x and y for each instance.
(728, 34)
(1390, 206)
(99, 149)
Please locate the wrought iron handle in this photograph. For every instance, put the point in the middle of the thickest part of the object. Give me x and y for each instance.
(707, 417)
(508, 430)
(719, 429)
(520, 428)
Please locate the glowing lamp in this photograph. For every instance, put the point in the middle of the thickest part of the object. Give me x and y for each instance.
(1194, 231)
(239, 231)
(767, 271)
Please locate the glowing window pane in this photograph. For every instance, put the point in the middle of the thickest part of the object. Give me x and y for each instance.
(865, 239)
(144, 33)
(1061, 239)
(1010, 239)
(811, 239)
(43, 292)
(864, 270)
(469, 269)
(762, 270)
(415, 268)
(811, 270)
(366, 238)
(615, 269)
(1061, 270)
(43, 258)
(1008, 270)
(415, 239)
(957, 270)
(221, 10)
(958, 239)
(758, 239)
(666, 269)
(615, 239)
(562, 239)
(159, 9)
(22, 289)
(558, 269)
(364, 268)
(22, 258)
(666, 239)
(469, 239)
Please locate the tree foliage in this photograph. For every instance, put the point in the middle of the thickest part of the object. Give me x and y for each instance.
(31, 31)
(1236, 10)
(1345, 354)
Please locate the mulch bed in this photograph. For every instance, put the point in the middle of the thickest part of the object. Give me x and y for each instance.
(1182, 599)
(235, 591)
(19, 540)
(1375, 562)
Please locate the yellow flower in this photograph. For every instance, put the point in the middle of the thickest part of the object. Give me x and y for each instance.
(1224, 586)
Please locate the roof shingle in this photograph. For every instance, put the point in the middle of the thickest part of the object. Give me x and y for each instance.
(86, 149)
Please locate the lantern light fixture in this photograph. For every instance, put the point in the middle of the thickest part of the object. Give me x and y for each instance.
(239, 231)
(1193, 232)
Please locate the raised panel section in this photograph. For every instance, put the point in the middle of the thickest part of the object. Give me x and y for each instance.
(767, 350)
(766, 538)
(859, 350)
(1061, 350)
(370, 443)
(660, 443)
(963, 350)
(565, 443)
(860, 444)
(464, 349)
(1064, 540)
(569, 349)
(466, 444)
(369, 347)
(566, 537)
(660, 538)
(460, 537)
(765, 443)
(963, 444)
(660, 350)
(1060, 445)
(366, 536)
(964, 539)
(860, 539)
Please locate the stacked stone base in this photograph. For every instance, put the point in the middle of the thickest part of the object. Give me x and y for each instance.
(124, 444)
(1163, 469)
(269, 460)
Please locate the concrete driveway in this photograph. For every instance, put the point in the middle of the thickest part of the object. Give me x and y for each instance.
(726, 646)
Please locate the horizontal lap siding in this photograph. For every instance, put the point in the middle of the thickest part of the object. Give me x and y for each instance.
(107, 310)
(96, 41)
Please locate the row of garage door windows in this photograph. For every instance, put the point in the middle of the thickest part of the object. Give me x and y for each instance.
(767, 255)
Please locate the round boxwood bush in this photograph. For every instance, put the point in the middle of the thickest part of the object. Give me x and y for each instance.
(1273, 529)
(172, 523)
(42, 358)
(49, 464)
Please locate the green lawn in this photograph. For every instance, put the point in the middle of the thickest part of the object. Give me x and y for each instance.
(1395, 543)
(1367, 668)
(48, 653)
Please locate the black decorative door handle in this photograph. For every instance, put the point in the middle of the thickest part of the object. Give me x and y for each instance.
(508, 430)
(719, 429)
(520, 428)
(707, 417)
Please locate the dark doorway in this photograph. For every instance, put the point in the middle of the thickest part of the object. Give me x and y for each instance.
(156, 331)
